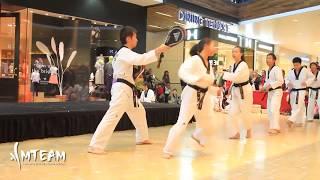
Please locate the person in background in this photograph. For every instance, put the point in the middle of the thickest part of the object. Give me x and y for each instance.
(297, 84)
(284, 86)
(273, 86)
(314, 88)
(147, 94)
(175, 98)
(167, 92)
(159, 93)
(150, 78)
(166, 77)
(263, 78)
(139, 82)
(255, 80)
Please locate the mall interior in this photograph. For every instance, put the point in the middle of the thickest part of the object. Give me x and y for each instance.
(71, 46)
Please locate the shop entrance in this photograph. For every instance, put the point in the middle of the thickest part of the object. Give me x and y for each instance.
(9, 56)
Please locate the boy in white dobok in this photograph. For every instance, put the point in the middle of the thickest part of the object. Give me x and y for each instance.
(273, 86)
(196, 97)
(297, 80)
(314, 87)
(241, 94)
(123, 93)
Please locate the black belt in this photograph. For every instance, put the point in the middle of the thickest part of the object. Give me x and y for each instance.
(272, 89)
(200, 91)
(297, 90)
(315, 89)
(133, 87)
(240, 85)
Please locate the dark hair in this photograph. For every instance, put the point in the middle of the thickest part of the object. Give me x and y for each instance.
(313, 63)
(273, 56)
(203, 42)
(194, 50)
(125, 32)
(241, 51)
(296, 60)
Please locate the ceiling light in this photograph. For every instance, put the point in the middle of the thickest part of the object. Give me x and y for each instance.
(60, 16)
(295, 20)
(163, 14)
(155, 26)
(318, 42)
(31, 11)
(94, 22)
(179, 23)
(115, 26)
(47, 14)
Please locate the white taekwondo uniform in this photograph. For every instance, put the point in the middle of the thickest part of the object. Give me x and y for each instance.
(297, 94)
(196, 101)
(123, 99)
(241, 97)
(314, 87)
(275, 80)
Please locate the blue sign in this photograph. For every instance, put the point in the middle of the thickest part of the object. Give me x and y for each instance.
(190, 17)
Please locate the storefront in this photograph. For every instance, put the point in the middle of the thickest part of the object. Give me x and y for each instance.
(50, 57)
(225, 34)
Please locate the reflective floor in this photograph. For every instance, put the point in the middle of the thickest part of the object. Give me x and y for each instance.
(294, 154)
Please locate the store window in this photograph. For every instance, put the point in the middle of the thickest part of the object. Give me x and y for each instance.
(56, 57)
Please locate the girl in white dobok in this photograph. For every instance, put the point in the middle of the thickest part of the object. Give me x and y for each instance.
(196, 97)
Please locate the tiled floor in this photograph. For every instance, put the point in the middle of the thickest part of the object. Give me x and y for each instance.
(294, 154)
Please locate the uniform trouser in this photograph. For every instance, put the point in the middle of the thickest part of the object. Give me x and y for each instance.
(273, 106)
(240, 112)
(121, 102)
(188, 109)
(311, 104)
(298, 111)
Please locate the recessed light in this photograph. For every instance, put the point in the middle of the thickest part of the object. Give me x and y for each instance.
(47, 14)
(179, 23)
(31, 11)
(164, 14)
(154, 26)
(115, 26)
(318, 42)
(60, 16)
(295, 20)
(73, 18)
(106, 24)
(94, 22)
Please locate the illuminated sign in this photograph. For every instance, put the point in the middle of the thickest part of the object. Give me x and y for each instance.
(192, 34)
(191, 17)
(227, 38)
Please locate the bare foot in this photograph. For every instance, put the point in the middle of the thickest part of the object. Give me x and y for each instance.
(273, 131)
(145, 142)
(236, 136)
(167, 156)
(94, 150)
(290, 124)
(197, 140)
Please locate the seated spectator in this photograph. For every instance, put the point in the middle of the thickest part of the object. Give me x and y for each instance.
(139, 82)
(160, 93)
(175, 98)
(147, 94)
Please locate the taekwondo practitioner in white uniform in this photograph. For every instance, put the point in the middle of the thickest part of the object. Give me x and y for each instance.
(196, 97)
(297, 80)
(273, 86)
(314, 87)
(123, 95)
(241, 94)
